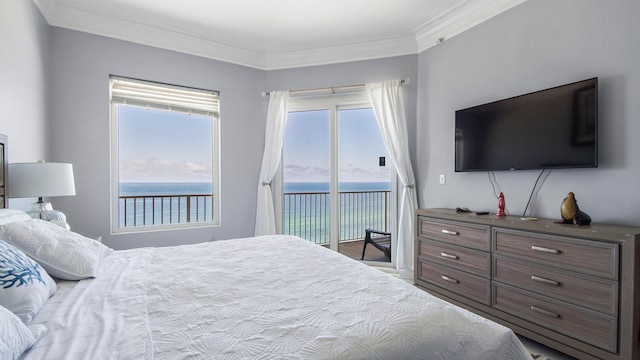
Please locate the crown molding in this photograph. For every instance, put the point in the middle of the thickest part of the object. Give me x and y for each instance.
(375, 49)
(458, 19)
(454, 21)
(60, 15)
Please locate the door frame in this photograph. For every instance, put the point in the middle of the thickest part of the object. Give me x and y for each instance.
(334, 103)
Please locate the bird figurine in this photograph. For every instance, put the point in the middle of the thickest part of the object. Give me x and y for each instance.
(571, 213)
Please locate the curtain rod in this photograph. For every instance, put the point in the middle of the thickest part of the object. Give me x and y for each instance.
(330, 90)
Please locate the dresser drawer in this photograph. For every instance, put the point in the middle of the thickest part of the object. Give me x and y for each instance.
(465, 284)
(593, 293)
(476, 262)
(579, 255)
(472, 236)
(594, 328)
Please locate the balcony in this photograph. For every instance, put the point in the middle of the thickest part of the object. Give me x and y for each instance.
(147, 210)
(305, 214)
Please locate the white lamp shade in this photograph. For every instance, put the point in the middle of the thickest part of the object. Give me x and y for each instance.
(40, 179)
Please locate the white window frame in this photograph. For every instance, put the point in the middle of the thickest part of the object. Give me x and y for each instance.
(176, 101)
(334, 103)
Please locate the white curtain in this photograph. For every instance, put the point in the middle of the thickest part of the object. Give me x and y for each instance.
(274, 133)
(388, 106)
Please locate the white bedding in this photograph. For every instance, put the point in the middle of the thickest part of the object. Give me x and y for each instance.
(276, 297)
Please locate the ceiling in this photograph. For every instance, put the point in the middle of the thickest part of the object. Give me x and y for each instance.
(277, 34)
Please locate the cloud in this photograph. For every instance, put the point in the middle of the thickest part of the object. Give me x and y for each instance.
(296, 172)
(350, 172)
(159, 170)
(365, 174)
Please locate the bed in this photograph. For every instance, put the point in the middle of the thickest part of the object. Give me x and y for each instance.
(270, 297)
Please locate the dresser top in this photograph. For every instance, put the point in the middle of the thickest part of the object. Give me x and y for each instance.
(614, 233)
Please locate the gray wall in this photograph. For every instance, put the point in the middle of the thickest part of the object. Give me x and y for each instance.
(533, 46)
(55, 101)
(24, 69)
(70, 122)
(81, 65)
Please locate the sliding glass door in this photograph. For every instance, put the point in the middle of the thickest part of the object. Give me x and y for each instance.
(336, 178)
(364, 182)
(306, 182)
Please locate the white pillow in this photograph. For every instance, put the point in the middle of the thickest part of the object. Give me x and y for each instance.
(24, 285)
(15, 336)
(64, 254)
(12, 215)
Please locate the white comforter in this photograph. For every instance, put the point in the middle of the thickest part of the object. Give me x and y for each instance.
(275, 297)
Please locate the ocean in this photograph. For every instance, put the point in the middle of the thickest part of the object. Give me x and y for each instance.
(361, 205)
(297, 187)
(306, 207)
(155, 189)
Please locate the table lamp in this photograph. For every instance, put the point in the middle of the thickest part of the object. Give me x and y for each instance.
(41, 179)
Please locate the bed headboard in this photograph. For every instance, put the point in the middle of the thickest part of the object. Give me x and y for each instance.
(4, 164)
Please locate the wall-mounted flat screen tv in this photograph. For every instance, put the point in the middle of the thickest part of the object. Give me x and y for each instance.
(548, 129)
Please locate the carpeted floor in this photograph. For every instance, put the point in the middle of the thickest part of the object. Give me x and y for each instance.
(541, 352)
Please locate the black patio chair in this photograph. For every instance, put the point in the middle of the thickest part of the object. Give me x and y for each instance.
(380, 240)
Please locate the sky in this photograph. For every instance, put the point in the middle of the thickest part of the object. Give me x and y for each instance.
(307, 147)
(162, 146)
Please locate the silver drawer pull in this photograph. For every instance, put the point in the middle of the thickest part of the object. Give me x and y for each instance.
(544, 312)
(545, 281)
(449, 232)
(544, 249)
(444, 254)
(446, 278)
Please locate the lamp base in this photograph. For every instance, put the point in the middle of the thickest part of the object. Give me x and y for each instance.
(44, 211)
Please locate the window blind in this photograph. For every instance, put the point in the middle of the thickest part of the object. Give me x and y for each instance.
(164, 96)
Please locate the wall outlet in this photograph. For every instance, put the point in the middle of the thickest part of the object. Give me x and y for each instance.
(443, 180)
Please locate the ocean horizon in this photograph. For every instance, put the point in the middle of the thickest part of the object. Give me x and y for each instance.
(303, 186)
(200, 188)
(164, 188)
(305, 207)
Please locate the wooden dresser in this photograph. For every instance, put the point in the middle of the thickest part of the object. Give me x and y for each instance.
(572, 288)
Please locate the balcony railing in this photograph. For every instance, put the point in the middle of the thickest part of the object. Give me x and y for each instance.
(165, 209)
(307, 214)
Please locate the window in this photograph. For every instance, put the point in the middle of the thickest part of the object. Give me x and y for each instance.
(164, 161)
(335, 178)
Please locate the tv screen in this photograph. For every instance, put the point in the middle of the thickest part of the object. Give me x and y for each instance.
(548, 129)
